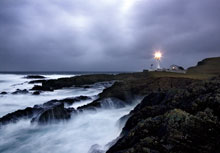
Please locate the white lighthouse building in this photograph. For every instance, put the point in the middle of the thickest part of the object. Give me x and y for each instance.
(157, 57)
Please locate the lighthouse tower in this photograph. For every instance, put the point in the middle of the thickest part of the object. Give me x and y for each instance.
(157, 57)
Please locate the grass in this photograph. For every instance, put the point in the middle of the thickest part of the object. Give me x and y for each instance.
(199, 76)
(205, 69)
(207, 66)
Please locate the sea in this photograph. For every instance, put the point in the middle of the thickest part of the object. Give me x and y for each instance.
(88, 132)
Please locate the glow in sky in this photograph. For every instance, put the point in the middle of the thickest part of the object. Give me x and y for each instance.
(157, 55)
(106, 35)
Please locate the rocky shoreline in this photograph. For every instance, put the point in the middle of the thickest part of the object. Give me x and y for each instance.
(178, 114)
(49, 112)
(177, 121)
(125, 88)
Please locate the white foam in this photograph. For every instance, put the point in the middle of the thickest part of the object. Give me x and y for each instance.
(10, 102)
(74, 136)
(77, 135)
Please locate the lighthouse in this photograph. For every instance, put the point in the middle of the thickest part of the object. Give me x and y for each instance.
(157, 57)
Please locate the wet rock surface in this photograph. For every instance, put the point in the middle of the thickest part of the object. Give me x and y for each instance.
(19, 91)
(36, 81)
(76, 81)
(123, 92)
(179, 114)
(35, 77)
(17, 115)
(3, 93)
(42, 88)
(36, 93)
(70, 101)
(84, 80)
(174, 121)
(51, 111)
(48, 112)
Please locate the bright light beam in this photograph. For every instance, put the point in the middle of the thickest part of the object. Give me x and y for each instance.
(157, 55)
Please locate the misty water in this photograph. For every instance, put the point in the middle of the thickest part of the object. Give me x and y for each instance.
(87, 130)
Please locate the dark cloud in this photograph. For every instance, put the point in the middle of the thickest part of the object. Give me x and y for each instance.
(106, 35)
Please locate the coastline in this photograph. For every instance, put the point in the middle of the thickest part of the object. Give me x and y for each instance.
(174, 107)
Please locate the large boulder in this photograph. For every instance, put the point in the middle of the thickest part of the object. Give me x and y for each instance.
(52, 112)
(42, 88)
(19, 91)
(17, 115)
(3, 93)
(36, 93)
(49, 112)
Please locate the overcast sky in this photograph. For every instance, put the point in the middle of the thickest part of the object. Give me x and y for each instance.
(106, 35)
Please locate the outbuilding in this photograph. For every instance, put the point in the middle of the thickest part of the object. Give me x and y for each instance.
(176, 68)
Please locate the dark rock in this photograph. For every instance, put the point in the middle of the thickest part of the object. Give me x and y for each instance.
(3, 93)
(83, 86)
(70, 101)
(17, 115)
(121, 122)
(36, 93)
(96, 149)
(34, 77)
(77, 81)
(52, 112)
(49, 112)
(91, 106)
(87, 80)
(36, 81)
(112, 103)
(183, 120)
(106, 103)
(86, 87)
(124, 92)
(18, 91)
(41, 88)
(140, 82)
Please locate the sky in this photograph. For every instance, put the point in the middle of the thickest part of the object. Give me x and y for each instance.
(106, 35)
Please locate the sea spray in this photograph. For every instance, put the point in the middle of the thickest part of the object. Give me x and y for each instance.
(10, 103)
(87, 131)
(77, 135)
